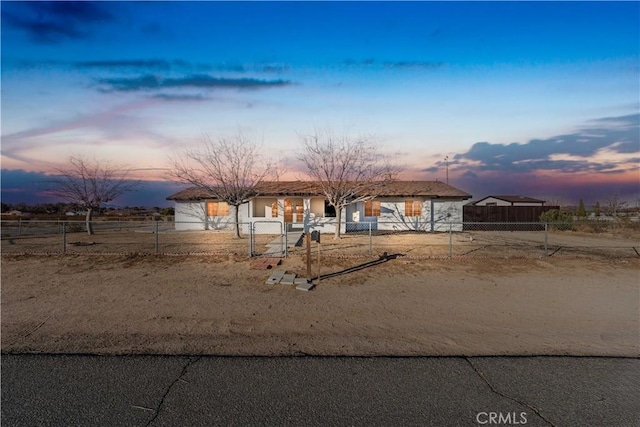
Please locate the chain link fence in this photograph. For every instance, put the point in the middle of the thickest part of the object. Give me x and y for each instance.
(267, 238)
(611, 239)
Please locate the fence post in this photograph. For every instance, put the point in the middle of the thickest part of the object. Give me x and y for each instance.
(155, 231)
(251, 240)
(64, 237)
(450, 240)
(546, 230)
(370, 241)
(286, 241)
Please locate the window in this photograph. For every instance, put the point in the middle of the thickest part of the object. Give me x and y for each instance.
(372, 208)
(329, 210)
(412, 208)
(288, 211)
(274, 210)
(217, 209)
(299, 211)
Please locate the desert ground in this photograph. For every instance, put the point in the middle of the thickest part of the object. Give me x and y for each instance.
(585, 303)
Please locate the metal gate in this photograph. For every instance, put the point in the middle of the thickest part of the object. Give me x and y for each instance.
(267, 239)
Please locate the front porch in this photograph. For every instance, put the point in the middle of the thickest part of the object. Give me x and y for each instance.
(296, 213)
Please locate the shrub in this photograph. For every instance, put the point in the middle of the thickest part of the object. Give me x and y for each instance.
(75, 227)
(582, 212)
(557, 220)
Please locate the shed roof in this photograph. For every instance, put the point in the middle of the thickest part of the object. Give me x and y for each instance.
(513, 199)
(433, 189)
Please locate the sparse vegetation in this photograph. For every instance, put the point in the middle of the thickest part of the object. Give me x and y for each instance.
(614, 205)
(90, 184)
(557, 220)
(582, 212)
(75, 227)
(349, 170)
(227, 168)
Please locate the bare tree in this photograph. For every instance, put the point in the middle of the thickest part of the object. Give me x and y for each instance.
(228, 169)
(90, 184)
(614, 203)
(349, 170)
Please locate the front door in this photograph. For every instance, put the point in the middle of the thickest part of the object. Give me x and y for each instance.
(292, 207)
(288, 211)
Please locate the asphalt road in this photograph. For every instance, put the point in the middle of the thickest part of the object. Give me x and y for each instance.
(75, 390)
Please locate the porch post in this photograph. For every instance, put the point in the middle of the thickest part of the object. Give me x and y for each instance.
(306, 206)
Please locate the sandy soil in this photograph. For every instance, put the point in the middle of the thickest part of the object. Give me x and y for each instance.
(478, 244)
(219, 305)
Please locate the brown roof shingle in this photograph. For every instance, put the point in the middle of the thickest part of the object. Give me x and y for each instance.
(433, 189)
(514, 199)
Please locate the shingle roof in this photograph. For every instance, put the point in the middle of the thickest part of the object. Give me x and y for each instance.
(433, 189)
(515, 199)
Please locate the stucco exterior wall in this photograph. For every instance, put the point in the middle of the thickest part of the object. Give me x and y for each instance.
(447, 214)
(317, 207)
(527, 204)
(435, 215)
(392, 216)
(192, 216)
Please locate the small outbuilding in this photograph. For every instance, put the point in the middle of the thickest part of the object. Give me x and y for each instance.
(504, 213)
(509, 201)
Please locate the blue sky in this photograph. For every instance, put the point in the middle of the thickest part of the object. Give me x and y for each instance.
(533, 98)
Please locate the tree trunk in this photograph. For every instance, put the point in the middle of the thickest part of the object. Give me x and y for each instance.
(236, 226)
(338, 222)
(89, 223)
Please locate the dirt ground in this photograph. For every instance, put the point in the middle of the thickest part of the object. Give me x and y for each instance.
(477, 244)
(218, 305)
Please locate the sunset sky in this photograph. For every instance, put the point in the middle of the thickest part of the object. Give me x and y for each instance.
(530, 98)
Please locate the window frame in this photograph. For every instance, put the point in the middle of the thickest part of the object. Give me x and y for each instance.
(413, 208)
(217, 208)
(372, 208)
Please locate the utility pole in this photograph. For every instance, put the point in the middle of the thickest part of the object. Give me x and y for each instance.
(446, 159)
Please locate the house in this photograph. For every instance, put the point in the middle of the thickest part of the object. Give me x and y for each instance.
(400, 205)
(509, 201)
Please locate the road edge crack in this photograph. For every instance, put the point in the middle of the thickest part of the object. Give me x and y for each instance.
(185, 368)
(499, 393)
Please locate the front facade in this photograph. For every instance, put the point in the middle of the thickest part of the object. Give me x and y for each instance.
(401, 205)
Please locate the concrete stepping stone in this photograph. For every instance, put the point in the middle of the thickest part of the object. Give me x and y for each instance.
(275, 277)
(288, 279)
(304, 285)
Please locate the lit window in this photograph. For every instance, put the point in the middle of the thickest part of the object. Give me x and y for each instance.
(217, 209)
(372, 208)
(412, 208)
(274, 210)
